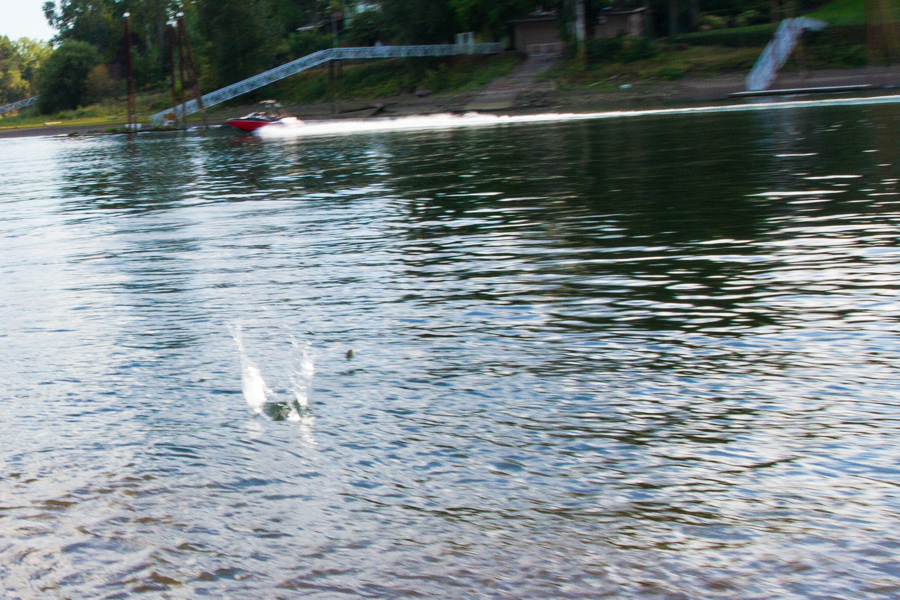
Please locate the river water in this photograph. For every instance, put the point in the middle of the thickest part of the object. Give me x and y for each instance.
(652, 356)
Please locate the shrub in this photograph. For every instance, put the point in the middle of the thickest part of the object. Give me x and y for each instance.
(711, 22)
(749, 17)
(745, 37)
(369, 27)
(836, 47)
(98, 85)
(621, 49)
(64, 76)
(307, 42)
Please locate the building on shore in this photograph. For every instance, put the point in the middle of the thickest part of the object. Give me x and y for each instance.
(539, 32)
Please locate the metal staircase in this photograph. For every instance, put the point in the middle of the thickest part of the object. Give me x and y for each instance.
(778, 50)
(316, 59)
(18, 105)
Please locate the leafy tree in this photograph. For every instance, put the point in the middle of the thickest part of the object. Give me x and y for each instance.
(19, 62)
(369, 27)
(63, 78)
(83, 20)
(239, 38)
(489, 16)
(422, 21)
(32, 54)
(98, 85)
(12, 85)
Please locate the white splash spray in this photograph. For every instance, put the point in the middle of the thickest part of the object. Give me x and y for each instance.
(260, 397)
(302, 375)
(256, 392)
(309, 129)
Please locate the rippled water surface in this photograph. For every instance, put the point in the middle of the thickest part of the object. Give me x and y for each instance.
(647, 357)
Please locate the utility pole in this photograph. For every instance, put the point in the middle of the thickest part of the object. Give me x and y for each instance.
(129, 73)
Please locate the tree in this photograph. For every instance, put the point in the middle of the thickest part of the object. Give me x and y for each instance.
(12, 86)
(19, 62)
(62, 79)
(422, 21)
(369, 27)
(32, 54)
(83, 20)
(489, 16)
(240, 41)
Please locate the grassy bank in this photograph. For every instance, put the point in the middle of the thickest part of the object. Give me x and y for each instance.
(673, 61)
(395, 77)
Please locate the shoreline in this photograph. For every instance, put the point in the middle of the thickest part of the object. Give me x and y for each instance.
(539, 97)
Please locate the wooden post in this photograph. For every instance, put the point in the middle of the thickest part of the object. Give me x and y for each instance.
(170, 50)
(129, 73)
(179, 34)
(192, 70)
(331, 85)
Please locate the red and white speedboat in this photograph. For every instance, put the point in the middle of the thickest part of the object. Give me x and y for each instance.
(269, 115)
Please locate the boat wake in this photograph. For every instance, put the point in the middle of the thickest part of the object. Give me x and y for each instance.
(315, 129)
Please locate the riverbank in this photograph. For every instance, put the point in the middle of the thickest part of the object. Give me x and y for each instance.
(528, 92)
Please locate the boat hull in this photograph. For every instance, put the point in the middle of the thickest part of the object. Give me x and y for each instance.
(248, 125)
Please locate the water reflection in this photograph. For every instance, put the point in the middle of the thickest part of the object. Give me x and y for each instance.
(647, 358)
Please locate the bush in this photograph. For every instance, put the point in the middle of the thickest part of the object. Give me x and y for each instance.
(745, 37)
(749, 17)
(98, 85)
(308, 42)
(712, 22)
(837, 47)
(621, 49)
(63, 78)
(369, 27)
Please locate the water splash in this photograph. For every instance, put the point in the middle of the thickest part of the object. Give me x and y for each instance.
(314, 129)
(261, 399)
(302, 375)
(256, 392)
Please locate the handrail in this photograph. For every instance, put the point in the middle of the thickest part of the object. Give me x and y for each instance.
(316, 59)
(17, 105)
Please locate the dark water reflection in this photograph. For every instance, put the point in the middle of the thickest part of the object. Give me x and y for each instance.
(634, 358)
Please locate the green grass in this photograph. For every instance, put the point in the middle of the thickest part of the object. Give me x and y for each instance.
(842, 12)
(737, 37)
(673, 62)
(391, 78)
(111, 113)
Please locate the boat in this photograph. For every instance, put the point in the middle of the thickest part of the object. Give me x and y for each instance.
(269, 114)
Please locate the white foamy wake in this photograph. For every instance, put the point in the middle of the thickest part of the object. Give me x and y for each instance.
(260, 397)
(312, 129)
